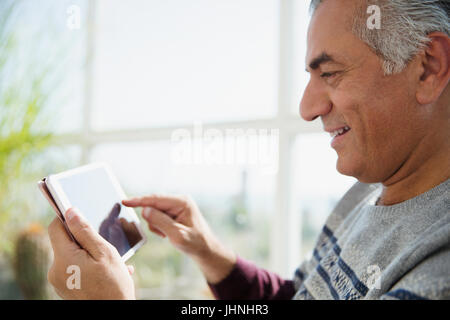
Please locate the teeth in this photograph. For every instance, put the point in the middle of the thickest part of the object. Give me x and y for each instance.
(340, 131)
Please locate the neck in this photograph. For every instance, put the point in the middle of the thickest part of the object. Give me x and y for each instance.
(427, 167)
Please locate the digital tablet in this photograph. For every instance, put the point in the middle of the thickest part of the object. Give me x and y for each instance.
(95, 191)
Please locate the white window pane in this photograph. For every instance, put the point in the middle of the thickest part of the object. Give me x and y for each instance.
(237, 202)
(47, 58)
(57, 158)
(168, 62)
(318, 185)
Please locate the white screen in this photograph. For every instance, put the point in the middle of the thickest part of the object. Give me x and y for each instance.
(94, 194)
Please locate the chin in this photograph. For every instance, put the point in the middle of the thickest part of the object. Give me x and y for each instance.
(352, 168)
(342, 169)
(357, 169)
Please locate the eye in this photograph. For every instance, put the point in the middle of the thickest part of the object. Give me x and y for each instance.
(328, 74)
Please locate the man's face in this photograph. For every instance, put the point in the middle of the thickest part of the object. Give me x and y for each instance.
(348, 91)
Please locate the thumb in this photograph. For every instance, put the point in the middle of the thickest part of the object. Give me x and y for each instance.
(161, 221)
(87, 237)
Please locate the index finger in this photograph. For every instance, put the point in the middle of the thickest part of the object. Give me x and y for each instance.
(157, 201)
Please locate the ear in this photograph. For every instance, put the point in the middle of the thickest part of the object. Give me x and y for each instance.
(436, 68)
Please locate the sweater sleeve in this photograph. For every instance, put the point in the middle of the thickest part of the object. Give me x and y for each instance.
(248, 282)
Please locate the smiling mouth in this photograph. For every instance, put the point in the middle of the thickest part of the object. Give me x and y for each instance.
(339, 132)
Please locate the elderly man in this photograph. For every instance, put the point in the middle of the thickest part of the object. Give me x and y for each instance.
(384, 96)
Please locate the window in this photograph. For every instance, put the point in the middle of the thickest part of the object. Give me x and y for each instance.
(173, 62)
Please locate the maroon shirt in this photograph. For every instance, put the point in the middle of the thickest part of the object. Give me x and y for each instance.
(249, 282)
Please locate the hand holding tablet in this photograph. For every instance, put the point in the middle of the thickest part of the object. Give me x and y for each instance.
(93, 269)
(95, 191)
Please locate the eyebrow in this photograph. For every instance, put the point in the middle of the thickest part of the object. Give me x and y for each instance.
(322, 58)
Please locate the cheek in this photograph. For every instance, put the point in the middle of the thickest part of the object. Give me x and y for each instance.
(351, 110)
(378, 141)
(376, 109)
(353, 155)
(367, 120)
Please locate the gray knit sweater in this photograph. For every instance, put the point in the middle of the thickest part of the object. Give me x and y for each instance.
(381, 252)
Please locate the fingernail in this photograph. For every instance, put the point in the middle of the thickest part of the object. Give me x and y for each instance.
(146, 212)
(130, 201)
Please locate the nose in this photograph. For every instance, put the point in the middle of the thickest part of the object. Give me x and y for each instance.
(315, 102)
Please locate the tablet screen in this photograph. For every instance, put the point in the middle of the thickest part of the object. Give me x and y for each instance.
(95, 194)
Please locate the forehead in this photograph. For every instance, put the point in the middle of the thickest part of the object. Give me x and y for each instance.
(330, 31)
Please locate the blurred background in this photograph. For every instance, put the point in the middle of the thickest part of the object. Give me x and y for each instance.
(109, 80)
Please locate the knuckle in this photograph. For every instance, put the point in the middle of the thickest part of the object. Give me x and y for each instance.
(110, 250)
(107, 252)
(102, 259)
(103, 253)
(82, 228)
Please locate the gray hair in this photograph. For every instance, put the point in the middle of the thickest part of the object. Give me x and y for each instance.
(405, 25)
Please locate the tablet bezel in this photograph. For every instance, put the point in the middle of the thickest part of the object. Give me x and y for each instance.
(63, 203)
